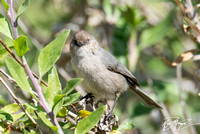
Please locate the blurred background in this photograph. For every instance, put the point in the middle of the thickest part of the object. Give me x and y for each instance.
(139, 33)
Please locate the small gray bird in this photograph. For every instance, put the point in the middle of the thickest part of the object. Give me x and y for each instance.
(104, 76)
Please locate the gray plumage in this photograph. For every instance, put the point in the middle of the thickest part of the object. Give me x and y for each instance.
(104, 76)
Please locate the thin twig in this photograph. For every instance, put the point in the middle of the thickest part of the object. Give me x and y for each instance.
(12, 80)
(41, 96)
(192, 12)
(7, 76)
(68, 112)
(183, 104)
(17, 101)
(19, 61)
(71, 120)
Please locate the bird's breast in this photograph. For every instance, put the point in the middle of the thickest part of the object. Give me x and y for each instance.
(98, 80)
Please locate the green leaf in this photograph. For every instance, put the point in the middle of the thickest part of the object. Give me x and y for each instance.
(71, 84)
(54, 87)
(20, 45)
(11, 108)
(58, 102)
(83, 113)
(107, 6)
(19, 75)
(63, 112)
(90, 121)
(70, 99)
(6, 6)
(4, 28)
(33, 132)
(46, 121)
(17, 116)
(30, 106)
(51, 53)
(68, 125)
(3, 100)
(22, 8)
(4, 52)
(24, 131)
(5, 116)
(153, 35)
(125, 126)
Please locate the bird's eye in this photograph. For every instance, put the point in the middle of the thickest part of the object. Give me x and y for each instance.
(74, 42)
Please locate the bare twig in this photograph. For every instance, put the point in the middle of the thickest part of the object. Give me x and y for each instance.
(17, 101)
(7, 76)
(183, 104)
(19, 61)
(71, 114)
(71, 120)
(193, 21)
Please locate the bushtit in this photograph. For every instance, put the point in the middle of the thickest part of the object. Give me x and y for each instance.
(104, 76)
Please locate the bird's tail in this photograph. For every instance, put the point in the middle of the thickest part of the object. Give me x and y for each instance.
(145, 98)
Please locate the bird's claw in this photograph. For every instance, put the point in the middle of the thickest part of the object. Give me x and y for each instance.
(108, 117)
(88, 98)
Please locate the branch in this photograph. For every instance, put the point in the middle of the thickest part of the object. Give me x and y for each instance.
(183, 104)
(30, 74)
(17, 101)
(19, 61)
(190, 15)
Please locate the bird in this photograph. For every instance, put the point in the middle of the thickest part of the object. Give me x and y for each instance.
(104, 76)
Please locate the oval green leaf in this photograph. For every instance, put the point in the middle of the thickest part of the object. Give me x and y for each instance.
(4, 28)
(11, 108)
(71, 98)
(125, 126)
(54, 87)
(51, 53)
(46, 121)
(20, 45)
(22, 8)
(6, 6)
(58, 102)
(5, 116)
(18, 74)
(71, 84)
(87, 123)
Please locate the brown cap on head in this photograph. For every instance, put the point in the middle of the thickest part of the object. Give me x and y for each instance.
(80, 38)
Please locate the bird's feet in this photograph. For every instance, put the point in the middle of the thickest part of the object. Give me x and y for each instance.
(108, 117)
(88, 97)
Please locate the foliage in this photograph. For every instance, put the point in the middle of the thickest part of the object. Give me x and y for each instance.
(157, 40)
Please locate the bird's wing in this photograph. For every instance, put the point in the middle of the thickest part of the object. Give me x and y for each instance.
(114, 65)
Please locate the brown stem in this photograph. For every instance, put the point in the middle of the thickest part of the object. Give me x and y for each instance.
(19, 61)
